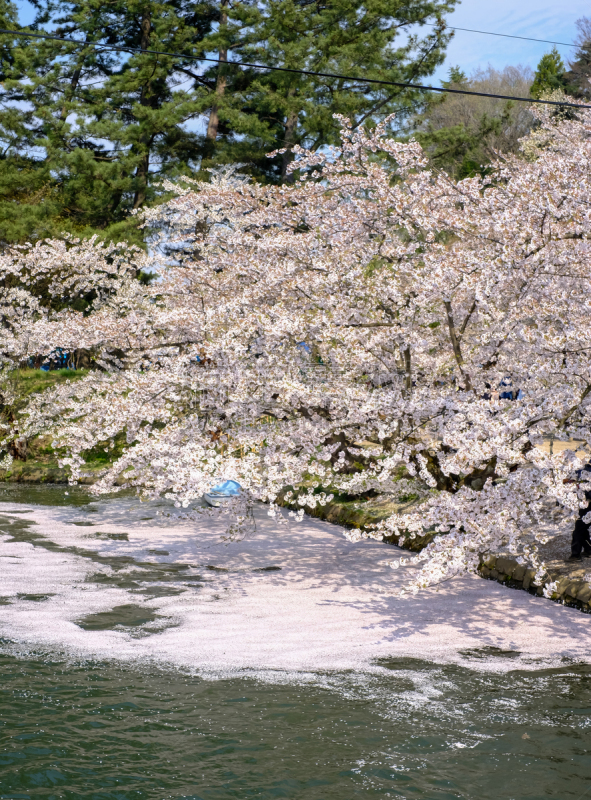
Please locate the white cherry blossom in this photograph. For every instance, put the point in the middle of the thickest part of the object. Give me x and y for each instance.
(341, 332)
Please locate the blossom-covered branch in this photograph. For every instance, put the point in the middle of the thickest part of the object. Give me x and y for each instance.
(345, 330)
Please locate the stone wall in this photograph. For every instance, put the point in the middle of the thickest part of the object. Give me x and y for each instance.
(575, 593)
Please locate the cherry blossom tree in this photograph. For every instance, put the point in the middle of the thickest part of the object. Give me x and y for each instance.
(37, 281)
(343, 332)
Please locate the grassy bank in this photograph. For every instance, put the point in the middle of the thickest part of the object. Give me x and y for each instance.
(21, 383)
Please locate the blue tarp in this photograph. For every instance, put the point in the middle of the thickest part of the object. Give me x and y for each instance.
(228, 488)
(58, 359)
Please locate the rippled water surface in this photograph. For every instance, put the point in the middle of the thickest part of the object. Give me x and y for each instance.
(495, 727)
(101, 730)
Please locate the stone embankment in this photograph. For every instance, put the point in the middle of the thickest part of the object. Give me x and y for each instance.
(573, 589)
(363, 514)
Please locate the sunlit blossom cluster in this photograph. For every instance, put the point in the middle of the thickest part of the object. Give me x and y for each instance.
(341, 332)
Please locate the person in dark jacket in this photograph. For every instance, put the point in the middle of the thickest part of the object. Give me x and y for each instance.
(581, 541)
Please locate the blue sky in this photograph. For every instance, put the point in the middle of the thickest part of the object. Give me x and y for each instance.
(536, 18)
(539, 19)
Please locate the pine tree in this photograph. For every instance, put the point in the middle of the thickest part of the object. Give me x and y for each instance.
(99, 125)
(88, 134)
(350, 37)
(549, 75)
(24, 182)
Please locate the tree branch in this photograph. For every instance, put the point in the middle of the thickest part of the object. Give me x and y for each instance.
(456, 344)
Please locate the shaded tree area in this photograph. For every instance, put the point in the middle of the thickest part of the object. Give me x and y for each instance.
(88, 134)
(463, 134)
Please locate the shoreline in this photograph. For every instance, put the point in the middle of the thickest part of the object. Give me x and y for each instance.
(574, 579)
(574, 587)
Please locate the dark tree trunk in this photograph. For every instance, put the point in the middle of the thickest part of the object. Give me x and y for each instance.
(18, 449)
(288, 142)
(143, 167)
(214, 116)
(82, 358)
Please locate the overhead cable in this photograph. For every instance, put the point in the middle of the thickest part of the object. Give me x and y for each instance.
(373, 81)
(504, 35)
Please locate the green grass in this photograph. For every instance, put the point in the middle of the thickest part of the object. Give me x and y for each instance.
(29, 381)
(105, 453)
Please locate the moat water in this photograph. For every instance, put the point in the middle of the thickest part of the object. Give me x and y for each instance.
(127, 672)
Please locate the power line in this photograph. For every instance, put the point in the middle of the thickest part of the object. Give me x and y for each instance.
(441, 89)
(505, 35)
